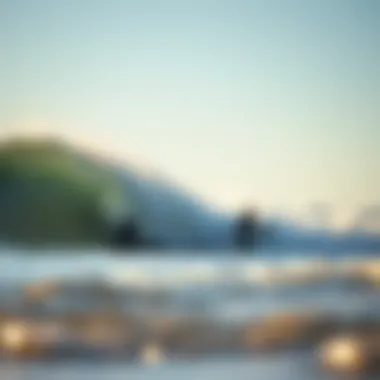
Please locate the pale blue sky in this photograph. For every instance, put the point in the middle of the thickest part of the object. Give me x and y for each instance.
(269, 102)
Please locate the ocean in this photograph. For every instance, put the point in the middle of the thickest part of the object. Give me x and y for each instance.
(233, 287)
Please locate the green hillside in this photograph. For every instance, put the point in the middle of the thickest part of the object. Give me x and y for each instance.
(49, 195)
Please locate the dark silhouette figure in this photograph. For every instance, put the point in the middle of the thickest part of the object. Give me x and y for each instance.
(246, 230)
(126, 235)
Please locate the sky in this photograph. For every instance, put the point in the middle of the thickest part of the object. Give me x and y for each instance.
(260, 102)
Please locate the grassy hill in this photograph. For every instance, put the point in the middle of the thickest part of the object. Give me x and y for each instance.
(48, 195)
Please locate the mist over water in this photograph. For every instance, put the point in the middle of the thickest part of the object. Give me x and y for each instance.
(32, 264)
(229, 284)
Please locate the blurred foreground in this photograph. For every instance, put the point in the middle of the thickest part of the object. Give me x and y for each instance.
(296, 319)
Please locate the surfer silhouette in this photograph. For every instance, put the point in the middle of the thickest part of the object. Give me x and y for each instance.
(246, 230)
(127, 235)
